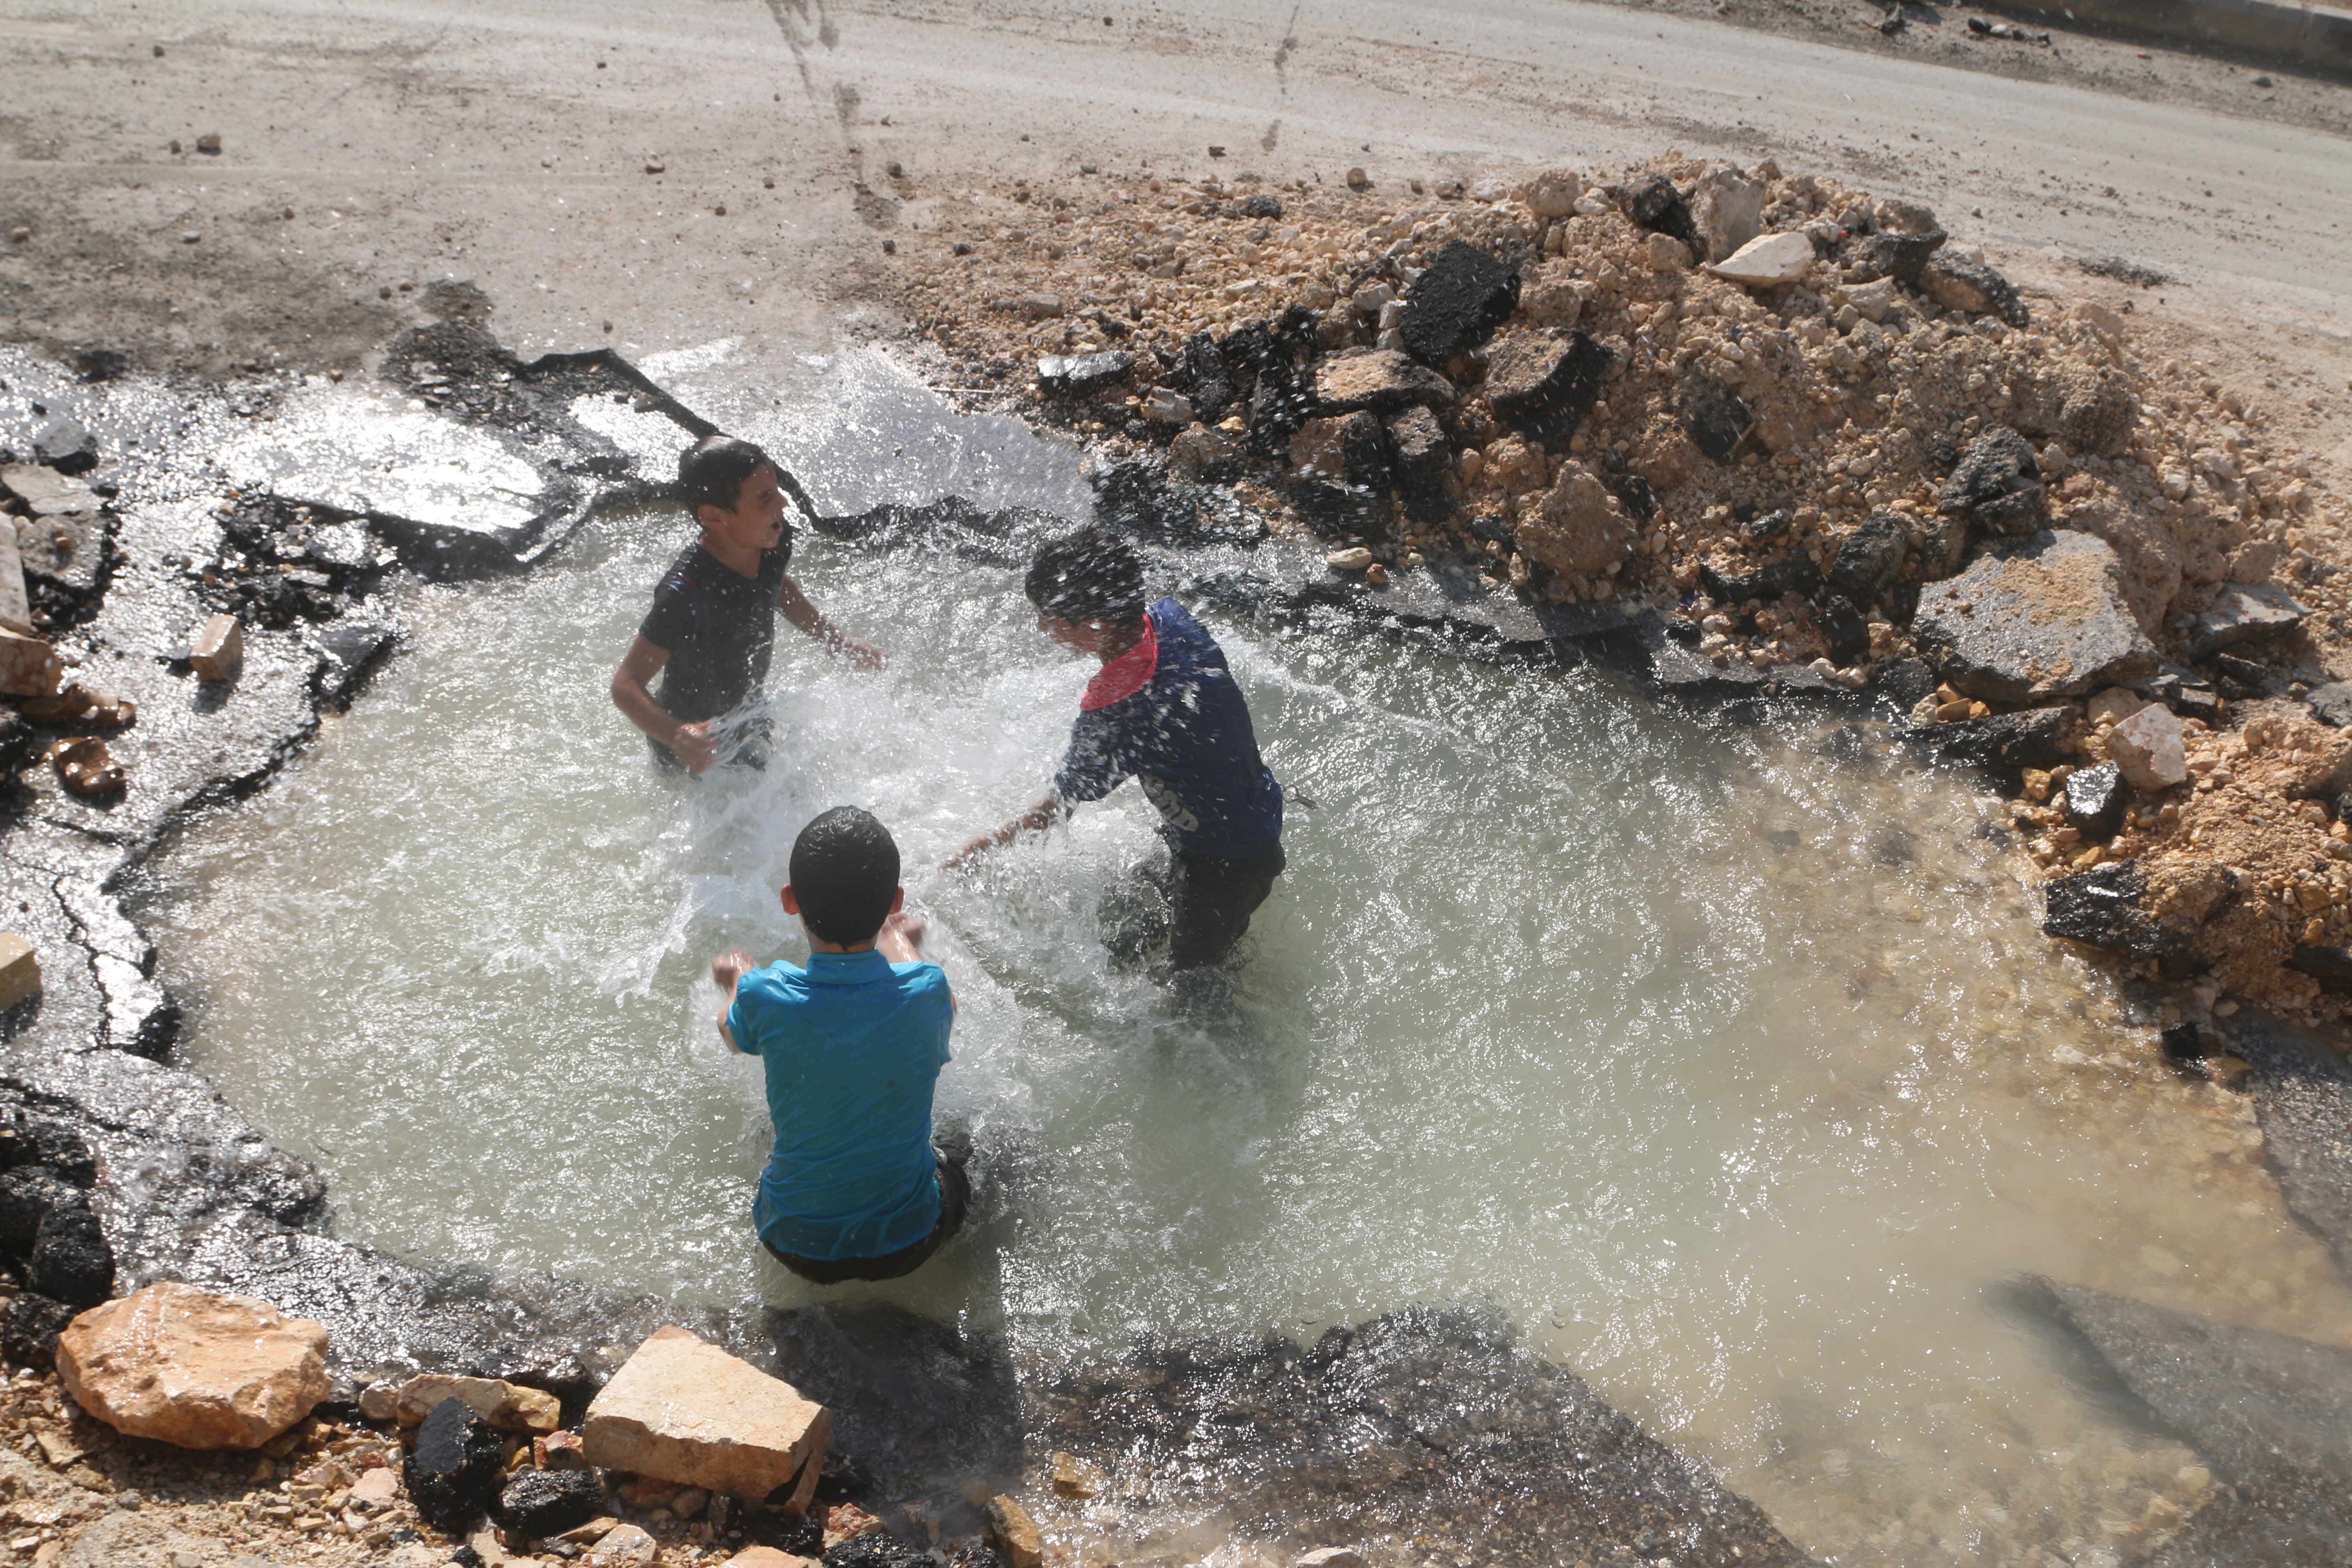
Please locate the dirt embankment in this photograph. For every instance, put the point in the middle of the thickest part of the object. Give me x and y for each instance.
(1778, 467)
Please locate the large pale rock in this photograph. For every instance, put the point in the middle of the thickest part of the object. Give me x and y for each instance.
(48, 493)
(1768, 260)
(1725, 207)
(28, 666)
(1579, 528)
(767, 1557)
(2045, 617)
(684, 1411)
(1552, 193)
(2147, 747)
(625, 1547)
(190, 1367)
(505, 1405)
(1017, 1535)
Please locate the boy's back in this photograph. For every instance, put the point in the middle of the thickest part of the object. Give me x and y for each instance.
(850, 1047)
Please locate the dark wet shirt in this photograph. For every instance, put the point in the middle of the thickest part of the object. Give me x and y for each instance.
(719, 627)
(1178, 724)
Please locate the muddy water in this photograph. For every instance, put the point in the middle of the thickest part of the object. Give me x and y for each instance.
(1728, 1064)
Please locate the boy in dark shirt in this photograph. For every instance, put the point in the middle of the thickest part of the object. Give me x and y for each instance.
(712, 626)
(1163, 708)
(852, 1046)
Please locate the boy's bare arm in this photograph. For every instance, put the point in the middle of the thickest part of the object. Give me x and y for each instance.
(631, 694)
(796, 608)
(1036, 819)
(726, 969)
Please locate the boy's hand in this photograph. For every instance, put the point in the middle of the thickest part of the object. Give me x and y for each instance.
(965, 858)
(729, 967)
(864, 655)
(694, 747)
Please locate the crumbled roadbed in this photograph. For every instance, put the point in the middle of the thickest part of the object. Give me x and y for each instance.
(1574, 391)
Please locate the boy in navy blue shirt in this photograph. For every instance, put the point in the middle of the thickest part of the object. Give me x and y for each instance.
(1163, 708)
(851, 1046)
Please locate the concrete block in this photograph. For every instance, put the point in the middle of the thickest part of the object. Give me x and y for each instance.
(20, 970)
(682, 1410)
(218, 648)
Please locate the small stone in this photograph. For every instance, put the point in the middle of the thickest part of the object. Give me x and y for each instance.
(588, 1534)
(1074, 1477)
(1165, 407)
(559, 1451)
(847, 1521)
(540, 1503)
(20, 970)
(654, 165)
(191, 237)
(1036, 307)
(1579, 528)
(1079, 375)
(71, 1261)
(1380, 380)
(1329, 1557)
(376, 1489)
(626, 1546)
(85, 767)
(1016, 1536)
(1767, 261)
(2147, 747)
(1959, 284)
(452, 1474)
(767, 1557)
(2241, 612)
(1871, 560)
(1354, 559)
(191, 1367)
(1552, 193)
(218, 648)
(681, 1410)
(1456, 304)
(29, 666)
(1359, 181)
(15, 607)
(29, 1329)
(210, 142)
(2097, 801)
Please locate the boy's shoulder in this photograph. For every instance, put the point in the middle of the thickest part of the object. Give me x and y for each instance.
(786, 985)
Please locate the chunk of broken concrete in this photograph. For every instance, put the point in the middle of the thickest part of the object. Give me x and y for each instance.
(218, 648)
(1997, 484)
(194, 1368)
(681, 1410)
(540, 1503)
(85, 767)
(1959, 284)
(2107, 907)
(1457, 304)
(29, 666)
(1382, 380)
(20, 971)
(2045, 617)
(2147, 747)
(1009, 1524)
(2239, 613)
(452, 1473)
(507, 1406)
(1767, 260)
(2095, 801)
(1543, 387)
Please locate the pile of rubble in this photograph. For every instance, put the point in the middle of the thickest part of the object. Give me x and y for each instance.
(1802, 426)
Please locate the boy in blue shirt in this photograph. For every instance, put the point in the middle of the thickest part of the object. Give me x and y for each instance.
(851, 1046)
(1163, 708)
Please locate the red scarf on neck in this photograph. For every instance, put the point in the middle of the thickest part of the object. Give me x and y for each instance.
(1125, 675)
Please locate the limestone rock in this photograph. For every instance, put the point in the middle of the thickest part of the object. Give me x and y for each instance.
(1457, 304)
(1382, 380)
(1552, 295)
(2241, 612)
(1551, 194)
(625, 1546)
(1959, 284)
(1877, 302)
(1997, 483)
(217, 648)
(1579, 528)
(1543, 387)
(1074, 1477)
(1016, 1536)
(67, 553)
(28, 666)
(48, 493)
(1036, 307)
(767, 1557)
(194, 1368)
(20, 970)
(16, 609)
(1726, 208)
(1768, 260)
(2039, 619)
(452, 1473)
(681, 1410)
(506, 1407)
(2147, 747)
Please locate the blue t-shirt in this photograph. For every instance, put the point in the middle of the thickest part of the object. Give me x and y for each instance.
(852, 1046)
(1170, 715)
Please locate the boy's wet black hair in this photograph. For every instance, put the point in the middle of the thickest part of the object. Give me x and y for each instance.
(1090, 575)
(845, 872)
(711, 472)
